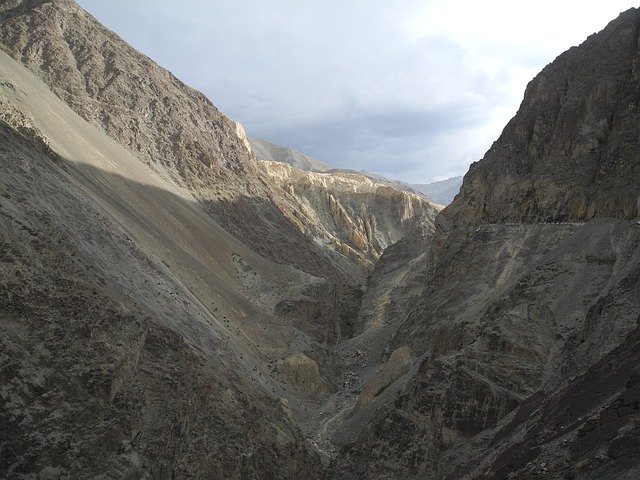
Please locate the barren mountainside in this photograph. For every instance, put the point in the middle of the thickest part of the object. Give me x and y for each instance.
(523, 331)
(360, 216)
(571, 151)
(172, 308)
(172, 128)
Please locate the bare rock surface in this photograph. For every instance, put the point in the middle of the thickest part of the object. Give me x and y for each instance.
(570, 153)
(522, 321)
(359, 217)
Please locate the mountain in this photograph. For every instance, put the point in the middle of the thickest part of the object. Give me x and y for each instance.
(520, 332)
(169, 126)
(129, 341)
(172, 308)
(358, 215)
(570, 152)
(441, 192)
(172, 128)
(266, 151)
(164, 310)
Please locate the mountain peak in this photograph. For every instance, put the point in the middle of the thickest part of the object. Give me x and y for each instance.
(571, 152)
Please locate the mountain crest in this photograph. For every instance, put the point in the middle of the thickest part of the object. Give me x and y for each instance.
(570, 153)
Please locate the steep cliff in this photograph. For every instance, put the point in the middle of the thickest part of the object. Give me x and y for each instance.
(522, 332)
(353, 213)
(570, 153)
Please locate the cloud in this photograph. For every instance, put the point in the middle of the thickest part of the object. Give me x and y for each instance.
(414, 89)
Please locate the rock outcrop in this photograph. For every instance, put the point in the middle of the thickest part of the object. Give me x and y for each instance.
(570, 153)
(352, 213)
(523, 331)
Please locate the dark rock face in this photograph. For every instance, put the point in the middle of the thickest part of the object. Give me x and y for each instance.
(494, 314)
(572, 150)
(524, 335)
(328, 313)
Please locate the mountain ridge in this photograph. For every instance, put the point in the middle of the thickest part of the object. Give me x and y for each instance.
(440, 192)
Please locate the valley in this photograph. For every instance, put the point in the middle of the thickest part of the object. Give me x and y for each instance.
(173, 306)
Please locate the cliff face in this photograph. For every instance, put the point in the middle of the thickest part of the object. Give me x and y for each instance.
(353, 213)
(570, 153)
(522, 332)
(491, 316)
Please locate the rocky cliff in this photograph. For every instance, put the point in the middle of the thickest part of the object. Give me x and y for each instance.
(521, 331)
(127, 197)
(356, 215)
(570, 153)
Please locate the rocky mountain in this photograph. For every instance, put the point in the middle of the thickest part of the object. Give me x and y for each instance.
(270, 152)
(359, 216)
(130, 346)
(161, 301)
(172, 308)
(521, 331)
(169, 126)
(442, 192)
(570, 152)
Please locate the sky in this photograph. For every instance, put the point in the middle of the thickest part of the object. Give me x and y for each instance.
(415, 90)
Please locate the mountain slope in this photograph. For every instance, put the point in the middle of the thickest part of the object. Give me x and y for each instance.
(361, 217)
(575, 132)
(270, 152)
(174, 129)
(171, 127)
(170, 310)
(513, 329)
(130, 344)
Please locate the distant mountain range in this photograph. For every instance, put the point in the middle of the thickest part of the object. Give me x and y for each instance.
(441, 192)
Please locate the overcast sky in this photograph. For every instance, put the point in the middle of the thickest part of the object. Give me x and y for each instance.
(411, 89)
